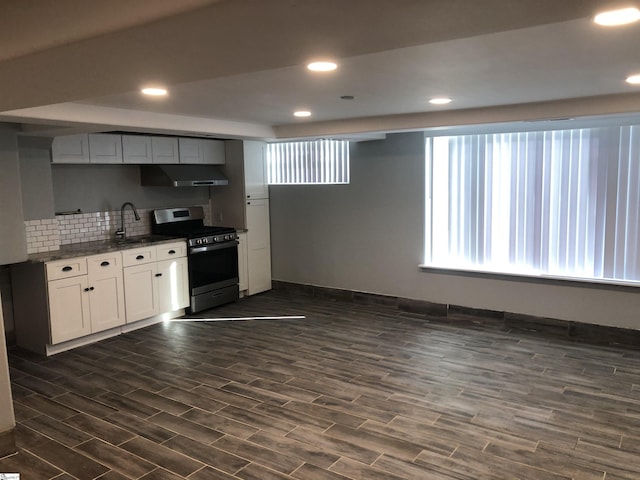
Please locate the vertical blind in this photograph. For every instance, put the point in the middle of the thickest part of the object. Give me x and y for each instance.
(313, 162)
(563, 203)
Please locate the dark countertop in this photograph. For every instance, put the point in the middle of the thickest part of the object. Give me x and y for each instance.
(84, 249)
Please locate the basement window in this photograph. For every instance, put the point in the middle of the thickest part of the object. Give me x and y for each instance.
(557, 203)
(319, 162)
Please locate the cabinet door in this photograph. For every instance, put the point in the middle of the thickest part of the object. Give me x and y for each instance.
(136, 149)
(255, 170)
(173, 284)
(70, 149)
(165, 149)
(106, 294)
(105, 148)
(201, 150)
(258, 246)
(243, 274)
(213, 152)
(141, 291)
(190, 150)
(69, 308)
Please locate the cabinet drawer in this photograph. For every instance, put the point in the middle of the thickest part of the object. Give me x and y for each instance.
(168, 251)
(138, 256)
(70, 267)
(106, 264)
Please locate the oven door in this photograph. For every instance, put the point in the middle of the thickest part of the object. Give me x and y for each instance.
(212, 267)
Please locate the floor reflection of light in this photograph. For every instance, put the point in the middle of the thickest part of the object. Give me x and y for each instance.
(173, 275)
(224, 319)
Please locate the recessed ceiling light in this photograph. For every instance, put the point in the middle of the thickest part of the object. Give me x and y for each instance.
(302, 113)
(634, 79)
(154, 91)
(440, 101)
(322, 66)
(613, 18)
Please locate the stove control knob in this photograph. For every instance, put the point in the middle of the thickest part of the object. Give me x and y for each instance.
(205, 240)
(198, 241)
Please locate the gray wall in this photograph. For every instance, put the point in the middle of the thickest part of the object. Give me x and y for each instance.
(12, 232)
(368, 236)
(354, 236)
(7, 421)
(94, 188)
(35, 176)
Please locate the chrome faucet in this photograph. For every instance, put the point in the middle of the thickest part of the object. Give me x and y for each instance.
(122, 233)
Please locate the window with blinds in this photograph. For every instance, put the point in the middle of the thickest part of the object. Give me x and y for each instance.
(562, 203)
(313, 162)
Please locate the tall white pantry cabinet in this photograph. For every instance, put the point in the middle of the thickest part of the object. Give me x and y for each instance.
(244, 204)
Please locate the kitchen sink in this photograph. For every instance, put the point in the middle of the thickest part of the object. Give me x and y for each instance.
(135, 240)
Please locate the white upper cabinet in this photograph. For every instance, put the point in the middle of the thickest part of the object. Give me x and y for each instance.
(70, 149)
(165, 150)
(105, 148)
(137, 149)
(87, 148)
(145, 149)
(255, 170)
(201, 151)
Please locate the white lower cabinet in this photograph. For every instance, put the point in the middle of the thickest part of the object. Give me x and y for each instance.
(173, 284)
(158, 282)
(106, 291)
(258, 246)
(141, 291)
(85, 303)
(69, 308)
(61, 304)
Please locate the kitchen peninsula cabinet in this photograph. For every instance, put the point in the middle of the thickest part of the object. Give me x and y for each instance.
(65, 303)
(244, 204)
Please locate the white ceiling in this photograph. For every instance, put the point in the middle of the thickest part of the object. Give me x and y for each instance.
(235, 68)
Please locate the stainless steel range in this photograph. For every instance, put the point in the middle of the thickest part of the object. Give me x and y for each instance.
(212, 255)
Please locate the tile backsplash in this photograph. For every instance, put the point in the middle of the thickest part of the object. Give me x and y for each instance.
(42, 235)
(49, 234)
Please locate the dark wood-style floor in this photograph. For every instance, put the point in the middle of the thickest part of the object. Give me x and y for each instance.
(349, 392)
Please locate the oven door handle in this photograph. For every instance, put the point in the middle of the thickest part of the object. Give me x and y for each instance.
(211, 248)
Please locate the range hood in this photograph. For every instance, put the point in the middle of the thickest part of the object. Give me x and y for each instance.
(182, 176)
